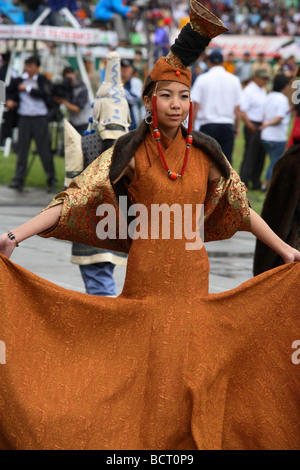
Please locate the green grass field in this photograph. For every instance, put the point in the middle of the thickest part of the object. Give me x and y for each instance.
(37, 179)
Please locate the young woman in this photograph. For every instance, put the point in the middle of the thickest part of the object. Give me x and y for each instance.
(165, 365)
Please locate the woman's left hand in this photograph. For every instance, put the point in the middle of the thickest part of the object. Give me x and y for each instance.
(7, 245)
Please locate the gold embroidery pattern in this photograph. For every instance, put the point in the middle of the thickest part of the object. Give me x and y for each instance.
(226, 208)
(78, 220)
(175, 61)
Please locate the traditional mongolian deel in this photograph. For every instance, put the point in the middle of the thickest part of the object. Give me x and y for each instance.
(281, 209)
(166, 365)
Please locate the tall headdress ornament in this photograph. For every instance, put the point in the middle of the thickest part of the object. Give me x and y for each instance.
(190, 44)
(192, 41)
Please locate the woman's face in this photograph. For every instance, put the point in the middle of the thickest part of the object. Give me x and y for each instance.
(173, 105)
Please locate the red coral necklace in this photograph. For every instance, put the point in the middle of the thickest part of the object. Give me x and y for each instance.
(189, 140)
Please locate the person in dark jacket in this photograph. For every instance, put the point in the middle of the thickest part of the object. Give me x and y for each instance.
(281, 208)
(28, 94)
(10, 118)
(75, 98)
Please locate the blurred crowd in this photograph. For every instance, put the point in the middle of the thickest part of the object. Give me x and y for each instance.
(64, 93)
(251, 17)
(243, 105)
(254, 95)
(28, 11)
(245, 66)
(157, 21)
(259, 17)
(48, 90)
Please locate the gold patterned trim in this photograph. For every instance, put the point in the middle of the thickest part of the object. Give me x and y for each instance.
(227, 209)
(175, 61)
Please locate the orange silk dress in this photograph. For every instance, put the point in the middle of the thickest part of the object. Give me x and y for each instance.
(165, 366)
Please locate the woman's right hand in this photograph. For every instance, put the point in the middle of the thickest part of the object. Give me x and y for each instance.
(7, 245)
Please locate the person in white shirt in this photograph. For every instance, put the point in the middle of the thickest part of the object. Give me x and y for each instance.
(217, 97)
(275, 123)
(252, 109)
(133, 87)
(243, 69)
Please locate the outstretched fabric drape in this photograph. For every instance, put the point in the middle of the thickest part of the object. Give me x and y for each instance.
(164, 366)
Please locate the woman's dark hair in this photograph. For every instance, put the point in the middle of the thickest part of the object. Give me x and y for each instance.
(148, 86)
(280, 82)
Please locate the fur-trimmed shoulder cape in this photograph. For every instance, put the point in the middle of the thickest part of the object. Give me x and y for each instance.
(226, 208)
(127, 145)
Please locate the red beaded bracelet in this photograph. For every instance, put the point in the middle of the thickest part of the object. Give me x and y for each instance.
(13, 238)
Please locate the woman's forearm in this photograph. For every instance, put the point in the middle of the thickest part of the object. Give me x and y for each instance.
(43, 221)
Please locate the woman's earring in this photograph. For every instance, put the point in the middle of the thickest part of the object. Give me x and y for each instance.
(185, 122)
(149, 117)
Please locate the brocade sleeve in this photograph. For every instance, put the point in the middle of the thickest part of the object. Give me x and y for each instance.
(79, 220)
(226, 208)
